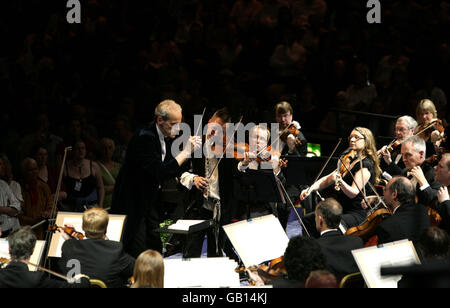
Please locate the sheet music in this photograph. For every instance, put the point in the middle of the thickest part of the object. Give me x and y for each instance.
(35, 257)
(200, 272)
(371, 259)
(113, 232)
(258, 240)
(184, 224)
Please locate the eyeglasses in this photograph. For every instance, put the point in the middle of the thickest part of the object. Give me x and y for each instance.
(355, 137)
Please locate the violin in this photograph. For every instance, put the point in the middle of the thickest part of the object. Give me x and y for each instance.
(69, 230)
(3, 262)
(366, 229)
(274, 270)
(391, 146)
(435, 217)
(425, 129)
(291, 129)
(343, 167)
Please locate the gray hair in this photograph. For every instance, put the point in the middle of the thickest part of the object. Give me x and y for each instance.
(165, 108)
(410, 121)
(21, 243)
(417, 142)
(331, 211)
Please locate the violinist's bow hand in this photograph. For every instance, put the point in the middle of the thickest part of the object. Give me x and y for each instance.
(442, 194)
(305, 193)
(201, 183)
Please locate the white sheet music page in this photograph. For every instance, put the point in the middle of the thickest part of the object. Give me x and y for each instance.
(371, 259)
(184, 224)
(258, 240)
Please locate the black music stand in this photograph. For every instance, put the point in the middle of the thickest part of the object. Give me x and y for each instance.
(192, 229)
(258, 186)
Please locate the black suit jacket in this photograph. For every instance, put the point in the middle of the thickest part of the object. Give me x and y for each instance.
(17, 275)
(408, 222)
(138, 184)
(99, 259)
(427, 195)
(337, 250)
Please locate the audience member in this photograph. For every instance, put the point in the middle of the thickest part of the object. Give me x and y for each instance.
(149, 270)
(109, 168)
(38, 201)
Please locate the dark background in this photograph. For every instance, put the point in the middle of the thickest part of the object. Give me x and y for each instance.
(126, 56)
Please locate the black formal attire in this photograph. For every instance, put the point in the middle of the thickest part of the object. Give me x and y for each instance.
(396, 165)
(337, 250)
(444, 210)
(427, 195)
(99, 259)
(353, 213)
(138, 189)
(198, 210)
(17, 275)
(247, 193)
(408, 222)
(284, 209)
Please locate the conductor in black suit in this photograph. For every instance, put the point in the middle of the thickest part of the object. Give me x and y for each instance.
(408, 219)
(99, 257)
(335, 246)
(149, 162)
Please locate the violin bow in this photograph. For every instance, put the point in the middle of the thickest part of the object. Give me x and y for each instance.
(292, 205)
(52, 218)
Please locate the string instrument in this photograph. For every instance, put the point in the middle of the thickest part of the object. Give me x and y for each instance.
(391, 146)
(425, 129)
(69, 230)
(435, 217)
(375, 216)
(275, 269)
(291, 129)
(3, 262)
(344, 166)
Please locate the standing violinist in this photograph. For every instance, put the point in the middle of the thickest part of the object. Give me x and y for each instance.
(211, 188)
(362, 162)
(392, 162)
(291, 145)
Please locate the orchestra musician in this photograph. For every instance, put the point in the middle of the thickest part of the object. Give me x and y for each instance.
(408, 220)
(426, 113)
(215, 180)
(292, 144)
(405, 127)
(258, 141)
(418, 170)
(361, 167)
(442, 175)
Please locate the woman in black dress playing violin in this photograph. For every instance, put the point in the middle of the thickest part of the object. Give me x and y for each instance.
(358, 167)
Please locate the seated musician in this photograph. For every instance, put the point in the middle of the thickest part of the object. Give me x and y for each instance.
(17, 274)
(442, 175)
(363, 164)
(408, 219)
(418, 170)
(425, 113)
(254, 160)
(335, 246)
(99, 257)
(405, 127)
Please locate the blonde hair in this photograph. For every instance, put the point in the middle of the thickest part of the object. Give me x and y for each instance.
(370, 150)
(149, 270)
(426, 105)
(95, 222)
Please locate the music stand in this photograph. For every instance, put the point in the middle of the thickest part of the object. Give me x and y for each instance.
(185, 227)
(258, 186)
